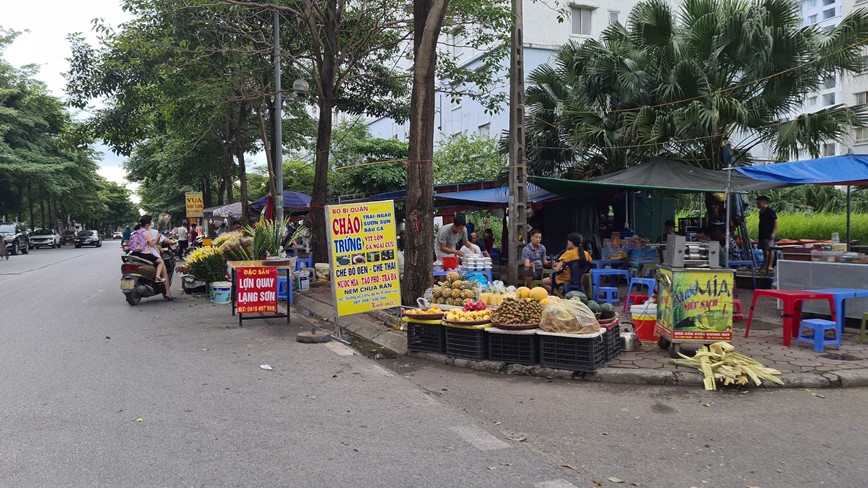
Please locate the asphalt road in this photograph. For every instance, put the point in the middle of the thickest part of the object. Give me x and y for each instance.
(666, 436)
(94, 392)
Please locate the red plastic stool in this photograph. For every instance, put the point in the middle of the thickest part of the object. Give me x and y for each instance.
(638, 298)
(737, 310)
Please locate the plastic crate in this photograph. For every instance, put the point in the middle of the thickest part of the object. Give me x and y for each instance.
(517, 347)
(586, 354)
(466, 343)
(612, 338)
(426, 338)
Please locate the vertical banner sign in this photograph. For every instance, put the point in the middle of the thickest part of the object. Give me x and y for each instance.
(363, 253)
(195, 206)
(257, 289)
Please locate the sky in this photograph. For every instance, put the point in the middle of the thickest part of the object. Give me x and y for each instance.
(49, 23)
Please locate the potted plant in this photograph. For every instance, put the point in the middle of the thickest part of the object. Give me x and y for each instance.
(267, 239)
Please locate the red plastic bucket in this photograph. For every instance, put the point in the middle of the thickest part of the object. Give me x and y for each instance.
(644, 319)
(450, 262)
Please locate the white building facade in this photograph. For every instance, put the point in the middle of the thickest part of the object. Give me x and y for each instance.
(543, 35)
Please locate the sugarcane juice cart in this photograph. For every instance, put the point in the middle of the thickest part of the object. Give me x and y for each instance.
(694, 295)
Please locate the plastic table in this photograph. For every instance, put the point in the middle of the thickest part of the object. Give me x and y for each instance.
(842, 294)
(792, 301)
(602, 263)
(596, 274)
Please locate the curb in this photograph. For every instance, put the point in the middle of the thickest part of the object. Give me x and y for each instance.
(369, 327)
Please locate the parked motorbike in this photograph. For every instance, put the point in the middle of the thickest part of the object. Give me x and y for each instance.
(137, 276)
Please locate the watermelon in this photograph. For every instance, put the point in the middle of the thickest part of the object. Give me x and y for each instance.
(578, 295)
(607, 311)
(594, 307)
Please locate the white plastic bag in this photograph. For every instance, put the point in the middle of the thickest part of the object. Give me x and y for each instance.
(568, 317)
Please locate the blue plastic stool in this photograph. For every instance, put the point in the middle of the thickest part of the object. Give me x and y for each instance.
(649, 283)
(299, 261)
(819, 326)
(607, 293)
(283, 289)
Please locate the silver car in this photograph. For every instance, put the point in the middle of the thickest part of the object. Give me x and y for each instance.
(44, 238)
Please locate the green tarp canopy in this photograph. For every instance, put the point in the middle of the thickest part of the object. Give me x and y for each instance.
(657, 175)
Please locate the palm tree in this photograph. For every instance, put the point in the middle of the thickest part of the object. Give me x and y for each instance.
(680, 85)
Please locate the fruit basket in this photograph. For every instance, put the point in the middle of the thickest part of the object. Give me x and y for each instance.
(424, 316)
(516, 326)
(467, 324)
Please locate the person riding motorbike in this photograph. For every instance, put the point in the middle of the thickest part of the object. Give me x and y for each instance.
(151, 252)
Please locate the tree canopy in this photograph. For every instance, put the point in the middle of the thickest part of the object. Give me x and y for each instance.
(680, 84)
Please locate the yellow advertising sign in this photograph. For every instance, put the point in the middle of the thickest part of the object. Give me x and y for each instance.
(695, 305)
(363, 253)
(195, 206)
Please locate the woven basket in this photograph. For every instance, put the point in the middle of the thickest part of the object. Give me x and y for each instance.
(516, 326)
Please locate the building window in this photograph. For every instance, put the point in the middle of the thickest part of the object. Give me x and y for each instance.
(484, 131)
(826, 2)
(828, 99)
(613, 17)
(828, 14)
(811, 3)
(861, 98)
(828, 150)
(860, 135)
(812, 101)
(581, 21)
(829, 82)
(812, 19)
(864, 64)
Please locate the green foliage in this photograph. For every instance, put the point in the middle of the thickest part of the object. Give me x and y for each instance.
(464, 158)
(818, 225)
(352, 156)
(679, 84)
(267, 237)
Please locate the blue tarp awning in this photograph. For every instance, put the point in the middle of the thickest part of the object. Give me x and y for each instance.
(497, 195)
(291, 199)
(849, 169)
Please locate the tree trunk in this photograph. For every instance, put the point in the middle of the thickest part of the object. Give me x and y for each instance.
(227, 159)
(324, 136)
(30, 205)
(419, 247)
(42, 212)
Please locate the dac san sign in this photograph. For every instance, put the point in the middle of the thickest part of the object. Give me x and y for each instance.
(257, 289)
(363, 253)
(195, 206)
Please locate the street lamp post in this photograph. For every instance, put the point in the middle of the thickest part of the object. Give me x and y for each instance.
(301, 89)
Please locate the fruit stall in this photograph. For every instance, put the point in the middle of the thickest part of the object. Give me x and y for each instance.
(464, 319)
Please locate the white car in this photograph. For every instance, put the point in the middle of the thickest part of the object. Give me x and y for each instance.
(117, 235)
(44, 238)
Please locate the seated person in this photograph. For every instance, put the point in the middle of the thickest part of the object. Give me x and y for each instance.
(668, 229)
(483, 249)
(534, 257)
(468, 247)
(719, 235)
(574, 252)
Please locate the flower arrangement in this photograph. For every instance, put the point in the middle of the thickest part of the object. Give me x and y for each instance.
(237, 247)
(207, 264)
(267, 238)
(225, 237)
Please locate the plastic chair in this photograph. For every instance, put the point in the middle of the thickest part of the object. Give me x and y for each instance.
(737, 309)
(283, 289)
(818, 337)
(578, 270)
(299, 261)
(649, 283)
(609, 294)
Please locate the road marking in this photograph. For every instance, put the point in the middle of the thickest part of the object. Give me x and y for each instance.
(340, 349)
(479, 438)
(555, 484)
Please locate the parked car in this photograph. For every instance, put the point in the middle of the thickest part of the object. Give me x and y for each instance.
(15, 237)
(88, 238)
(67, 237)
(44, 237)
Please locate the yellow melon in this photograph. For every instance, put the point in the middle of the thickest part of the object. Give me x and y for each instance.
(522, 292)
(545, 301)
(538, 293)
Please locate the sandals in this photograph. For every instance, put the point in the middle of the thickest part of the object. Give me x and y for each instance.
(159, 280)
(168, 298)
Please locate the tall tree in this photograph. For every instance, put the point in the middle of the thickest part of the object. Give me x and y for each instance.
(679, 84)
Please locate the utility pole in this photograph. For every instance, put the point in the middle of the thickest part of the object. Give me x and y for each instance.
(278, 126)
(517, 216)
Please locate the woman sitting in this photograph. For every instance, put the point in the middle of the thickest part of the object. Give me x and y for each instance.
(574, 252)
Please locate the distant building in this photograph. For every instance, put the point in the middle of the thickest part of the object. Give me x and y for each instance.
(543, 35)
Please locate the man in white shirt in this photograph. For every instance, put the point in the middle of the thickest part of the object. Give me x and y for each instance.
(181, 232)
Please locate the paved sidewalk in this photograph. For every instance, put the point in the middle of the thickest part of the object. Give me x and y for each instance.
(801, 367)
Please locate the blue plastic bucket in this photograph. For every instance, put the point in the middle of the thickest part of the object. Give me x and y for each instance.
(220, 292)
